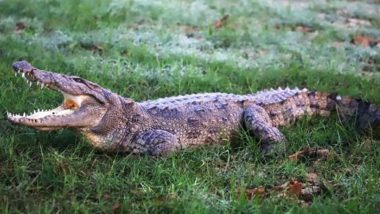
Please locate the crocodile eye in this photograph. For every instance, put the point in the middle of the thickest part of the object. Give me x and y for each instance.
(77, 79)
(84, 82)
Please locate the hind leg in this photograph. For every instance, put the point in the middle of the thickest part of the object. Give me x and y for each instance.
(259, 124)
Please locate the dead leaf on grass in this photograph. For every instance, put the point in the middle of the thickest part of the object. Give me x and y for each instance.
(352, 22)
(313, 187)
(165, 198)
(251, 193)
(221, 22)
(365, 41)
(190, 31)
(289, 188)
(95, 48)
(309, 192)
(295, 188)
(258, 192)
(20, 26)
(310, 152)
(116, 208)
(304, 29)
(302, 191)
(312, 177)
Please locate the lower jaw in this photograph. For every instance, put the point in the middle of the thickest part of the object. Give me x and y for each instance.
(45, 128)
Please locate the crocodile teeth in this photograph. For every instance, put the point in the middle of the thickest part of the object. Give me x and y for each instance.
(40, 84)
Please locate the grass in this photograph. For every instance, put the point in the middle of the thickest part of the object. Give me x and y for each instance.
(145, 50)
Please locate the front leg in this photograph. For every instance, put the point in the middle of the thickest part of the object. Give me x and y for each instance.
(259, 124)
(156, 142)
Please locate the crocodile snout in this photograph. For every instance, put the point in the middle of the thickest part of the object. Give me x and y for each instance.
(22, 66)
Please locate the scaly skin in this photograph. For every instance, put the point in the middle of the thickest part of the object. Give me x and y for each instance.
(117, 124)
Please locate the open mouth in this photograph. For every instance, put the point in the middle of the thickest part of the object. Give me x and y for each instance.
(44, 119)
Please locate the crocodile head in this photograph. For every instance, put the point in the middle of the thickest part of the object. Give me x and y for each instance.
(84, 103)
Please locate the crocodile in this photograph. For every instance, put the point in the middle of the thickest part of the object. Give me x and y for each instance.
(157, 127)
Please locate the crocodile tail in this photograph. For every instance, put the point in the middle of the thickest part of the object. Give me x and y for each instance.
(365, 114)
(287, 105)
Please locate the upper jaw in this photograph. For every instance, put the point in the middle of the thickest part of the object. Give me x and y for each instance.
(31, 74)
(60, 82)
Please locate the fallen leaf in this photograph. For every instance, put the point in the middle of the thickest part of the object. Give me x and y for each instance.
(95, 48)
(302, 190)
(116, 208)
(255, 192)
(250, 193)
(362, 40)
(309, 192)
(281, 187)
(304, 29)
(221, 22)
(365, 41)
(312, 177)
(295, 188)
(352, 22)
(311, 152)
(190, 31)
(164, 198)
(20, 26)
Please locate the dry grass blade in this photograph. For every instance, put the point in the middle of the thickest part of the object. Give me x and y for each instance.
(221, 22)
(310, 152)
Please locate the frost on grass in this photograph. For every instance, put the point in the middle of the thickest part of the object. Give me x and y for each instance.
(9, 24)
(259, 34)
(264, 48)
(55, 40)
(167, 11)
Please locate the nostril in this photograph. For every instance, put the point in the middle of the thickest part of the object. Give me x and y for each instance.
(22, 65)
(15, 66)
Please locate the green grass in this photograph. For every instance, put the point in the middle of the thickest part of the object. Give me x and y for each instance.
(161, 48)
